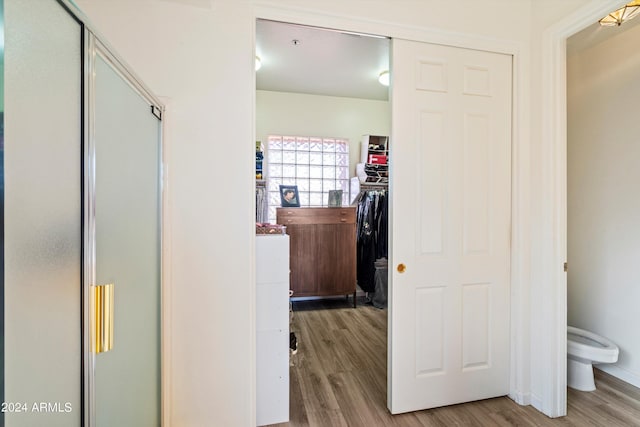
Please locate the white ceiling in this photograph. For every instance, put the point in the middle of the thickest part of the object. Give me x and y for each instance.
(335, 63)
(323, 62)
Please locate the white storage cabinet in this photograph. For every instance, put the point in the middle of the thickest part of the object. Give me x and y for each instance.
(272, 333)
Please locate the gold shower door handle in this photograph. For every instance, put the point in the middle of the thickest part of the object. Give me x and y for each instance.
(103, 300)
(401, 268)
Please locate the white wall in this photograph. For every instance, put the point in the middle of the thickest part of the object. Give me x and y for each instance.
(199, 54)
(603, 203)
(296, 114)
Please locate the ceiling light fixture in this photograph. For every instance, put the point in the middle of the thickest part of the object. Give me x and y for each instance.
(383, 78)
(618, 16)
(258, 63)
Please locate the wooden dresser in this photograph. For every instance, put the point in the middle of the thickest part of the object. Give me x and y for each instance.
(322, 250)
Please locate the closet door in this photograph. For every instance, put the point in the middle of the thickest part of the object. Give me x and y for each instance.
(451, 220)
(127, 245)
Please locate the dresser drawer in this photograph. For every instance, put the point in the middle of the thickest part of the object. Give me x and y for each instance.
(343, 215)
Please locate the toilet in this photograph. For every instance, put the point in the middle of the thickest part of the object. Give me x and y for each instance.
(583, 349)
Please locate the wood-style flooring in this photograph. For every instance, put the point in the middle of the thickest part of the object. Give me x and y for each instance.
(339, 378)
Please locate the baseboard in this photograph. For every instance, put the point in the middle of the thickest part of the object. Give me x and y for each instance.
(536, 402)
(620, 373)
(520, 398)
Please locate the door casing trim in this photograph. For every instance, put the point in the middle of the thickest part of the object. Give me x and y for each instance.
(548, 275)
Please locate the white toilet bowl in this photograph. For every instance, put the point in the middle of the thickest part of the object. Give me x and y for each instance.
(583, 349)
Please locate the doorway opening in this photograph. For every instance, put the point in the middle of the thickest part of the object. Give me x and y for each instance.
(422, 157)
(553, 148)
(321, 86)
(601, 234)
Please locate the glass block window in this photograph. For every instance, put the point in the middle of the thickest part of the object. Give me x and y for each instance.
(315, 165)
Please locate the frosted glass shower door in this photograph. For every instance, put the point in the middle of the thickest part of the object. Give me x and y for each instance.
(127, 243)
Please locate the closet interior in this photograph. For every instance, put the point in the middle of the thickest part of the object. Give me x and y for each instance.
(322, 189)
(372, 242)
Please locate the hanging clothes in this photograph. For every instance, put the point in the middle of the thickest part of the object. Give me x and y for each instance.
(382, 237)
(371, 238)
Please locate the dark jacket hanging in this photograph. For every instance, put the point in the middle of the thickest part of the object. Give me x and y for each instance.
(371, 236)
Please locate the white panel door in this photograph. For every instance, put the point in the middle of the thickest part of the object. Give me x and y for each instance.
(451, 219)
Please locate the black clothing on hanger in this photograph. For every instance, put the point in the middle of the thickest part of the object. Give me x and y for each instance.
(371, 239)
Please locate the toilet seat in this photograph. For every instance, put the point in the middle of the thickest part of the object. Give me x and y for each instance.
(589, 346)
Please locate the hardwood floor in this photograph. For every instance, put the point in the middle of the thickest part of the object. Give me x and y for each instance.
(338, 378)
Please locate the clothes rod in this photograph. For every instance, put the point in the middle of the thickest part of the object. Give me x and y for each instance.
(374, 186)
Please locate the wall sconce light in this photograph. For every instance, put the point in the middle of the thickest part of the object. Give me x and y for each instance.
(258, 63)
(618, 16)
(383, 78)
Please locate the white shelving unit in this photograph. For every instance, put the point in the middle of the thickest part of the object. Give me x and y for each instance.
(374, 155)
(272, 332)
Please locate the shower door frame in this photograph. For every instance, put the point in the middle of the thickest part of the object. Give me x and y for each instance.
(92, 45)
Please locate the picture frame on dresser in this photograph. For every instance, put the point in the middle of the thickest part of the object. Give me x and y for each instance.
(289, 197)
(334, 199)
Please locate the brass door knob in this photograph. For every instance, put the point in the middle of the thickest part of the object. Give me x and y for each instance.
(401, 268)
